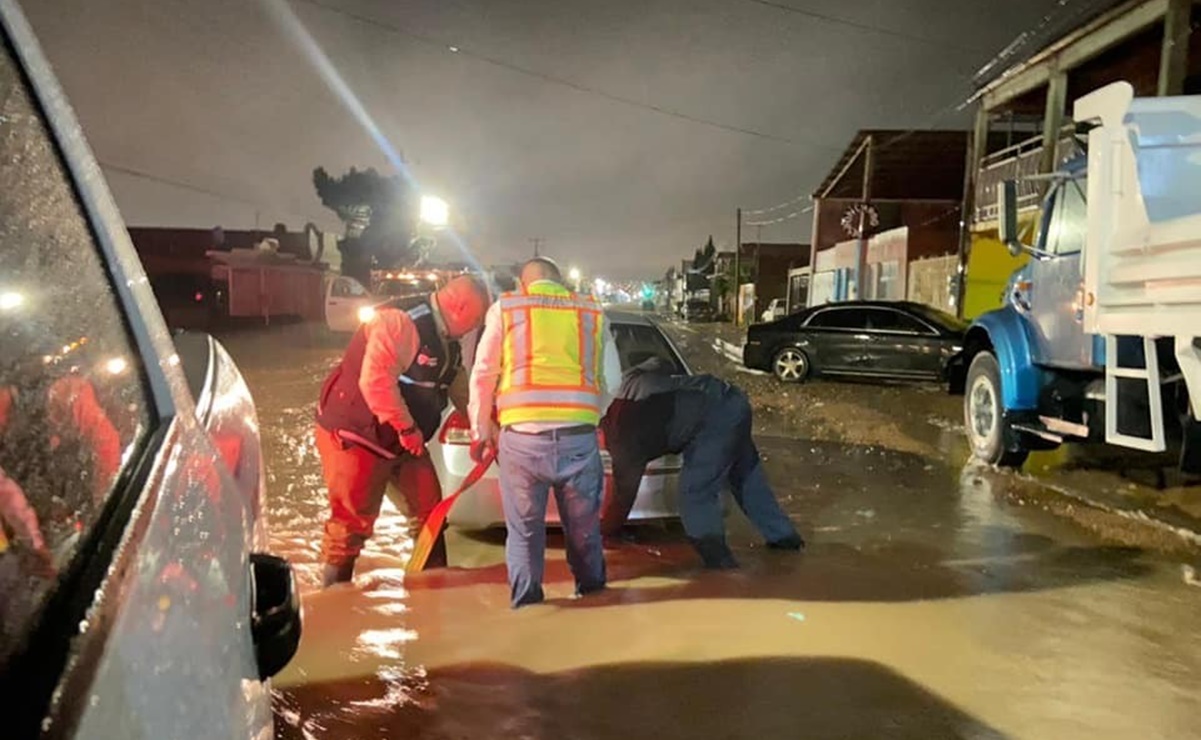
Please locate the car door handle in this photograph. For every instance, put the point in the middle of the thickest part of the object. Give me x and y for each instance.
(275, 617)
(864, 337)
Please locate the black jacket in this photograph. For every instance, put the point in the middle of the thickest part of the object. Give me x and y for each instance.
(653, 414)
(343, 410)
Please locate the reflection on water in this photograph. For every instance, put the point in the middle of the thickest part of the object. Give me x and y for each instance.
(933, 604)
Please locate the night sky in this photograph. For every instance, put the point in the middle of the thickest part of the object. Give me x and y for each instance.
(622, 132)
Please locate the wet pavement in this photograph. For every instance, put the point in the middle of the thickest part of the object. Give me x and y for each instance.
(936, 599)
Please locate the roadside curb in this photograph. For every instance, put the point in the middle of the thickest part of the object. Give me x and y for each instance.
(1182, 527)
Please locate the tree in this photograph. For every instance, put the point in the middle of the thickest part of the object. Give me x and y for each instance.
(378, 217)
(703, 259)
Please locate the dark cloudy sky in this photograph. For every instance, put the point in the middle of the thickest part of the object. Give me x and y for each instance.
(213, 94)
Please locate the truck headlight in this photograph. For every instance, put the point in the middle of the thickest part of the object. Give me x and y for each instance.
(366, 313)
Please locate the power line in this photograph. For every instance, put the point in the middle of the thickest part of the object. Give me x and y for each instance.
(776, 207)
(834, 20)
(560, 81)
(781, 219)
(163, 180)
(1008, 51)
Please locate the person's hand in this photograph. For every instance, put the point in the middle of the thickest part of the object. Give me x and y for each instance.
(482, 449)
(412, 441)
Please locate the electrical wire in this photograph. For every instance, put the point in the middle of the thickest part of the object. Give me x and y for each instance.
(880, 30)
(960, 104)
(183, 185)
(781, 219)
(560, 81)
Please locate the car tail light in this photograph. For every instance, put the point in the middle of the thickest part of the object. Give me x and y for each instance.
(456, 430)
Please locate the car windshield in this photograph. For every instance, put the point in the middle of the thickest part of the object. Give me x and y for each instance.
(940, 318)
(637, 343)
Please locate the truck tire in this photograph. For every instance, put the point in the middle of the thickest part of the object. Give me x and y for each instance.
(988, 433)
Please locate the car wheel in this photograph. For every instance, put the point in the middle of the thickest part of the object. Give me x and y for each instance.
(790, 365)
(991, 438)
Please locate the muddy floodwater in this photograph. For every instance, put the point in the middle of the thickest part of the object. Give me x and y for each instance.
(930, 603)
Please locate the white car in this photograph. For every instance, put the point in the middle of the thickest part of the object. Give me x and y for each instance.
(135, 601)
(347, 304)
(638, 339)
(775, 310)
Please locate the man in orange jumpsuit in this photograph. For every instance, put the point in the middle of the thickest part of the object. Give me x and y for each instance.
(377, 410)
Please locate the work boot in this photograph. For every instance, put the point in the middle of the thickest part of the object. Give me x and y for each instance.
(714, 552)
(337, 573)
(793, 543)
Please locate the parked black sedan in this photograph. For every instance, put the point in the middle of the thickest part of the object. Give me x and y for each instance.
(893, 340)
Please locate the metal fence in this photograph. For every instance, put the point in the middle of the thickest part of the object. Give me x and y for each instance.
(1018, 162)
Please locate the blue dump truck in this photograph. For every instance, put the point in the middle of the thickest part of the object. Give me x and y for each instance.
(1097, 337)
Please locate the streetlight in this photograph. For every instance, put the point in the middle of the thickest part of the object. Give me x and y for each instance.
(434, 211)
(11, 300)
(574, 274)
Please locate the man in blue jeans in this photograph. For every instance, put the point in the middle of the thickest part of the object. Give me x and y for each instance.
(708, 421)
(547, 361)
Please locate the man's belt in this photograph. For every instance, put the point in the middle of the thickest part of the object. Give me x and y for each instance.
(555, 433)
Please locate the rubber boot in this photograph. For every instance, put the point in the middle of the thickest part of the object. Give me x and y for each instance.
(337, 573)
(714, 552)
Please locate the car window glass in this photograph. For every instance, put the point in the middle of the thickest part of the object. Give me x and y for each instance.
(839, 318)
(73, 401)
(637, 343)
(354, 287)
(1069, 225)
(883, 319)
(341, 288)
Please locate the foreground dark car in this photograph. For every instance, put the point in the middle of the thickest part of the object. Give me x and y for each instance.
(892, 340)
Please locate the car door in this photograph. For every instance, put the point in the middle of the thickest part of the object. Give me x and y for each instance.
(125, 590)
(839, 340)
(903, 345)
(1056, 281)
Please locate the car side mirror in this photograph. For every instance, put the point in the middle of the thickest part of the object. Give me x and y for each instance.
(275, 619)
(1007, 217)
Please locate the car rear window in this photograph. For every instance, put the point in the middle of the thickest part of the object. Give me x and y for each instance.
(637, 343)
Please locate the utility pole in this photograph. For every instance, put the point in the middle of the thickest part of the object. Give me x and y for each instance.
(737, 267)
(537, 242)
(861, 256)
(755, 269)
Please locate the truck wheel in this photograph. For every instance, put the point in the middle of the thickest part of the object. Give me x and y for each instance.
(790, 365)
(984, 419)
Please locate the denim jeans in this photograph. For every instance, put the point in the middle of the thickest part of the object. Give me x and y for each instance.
(723, 451)
(530, 467)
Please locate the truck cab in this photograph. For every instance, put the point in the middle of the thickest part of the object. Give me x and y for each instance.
(1095, 337)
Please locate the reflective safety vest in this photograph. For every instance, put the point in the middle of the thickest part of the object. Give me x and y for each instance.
(551, 357)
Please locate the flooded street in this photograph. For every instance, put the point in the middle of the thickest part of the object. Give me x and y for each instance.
(935, 599)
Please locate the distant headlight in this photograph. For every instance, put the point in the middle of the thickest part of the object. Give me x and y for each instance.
(366, 313)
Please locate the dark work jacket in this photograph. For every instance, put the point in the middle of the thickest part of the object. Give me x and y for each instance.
(653, 414)
(343, 410)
